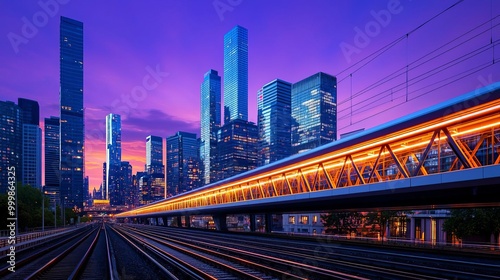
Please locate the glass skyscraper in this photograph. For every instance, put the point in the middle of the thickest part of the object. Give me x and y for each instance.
(274, 121)
(154, 155)
(10, 142)
(113, 158)
(210, 123)
(182, 163)
(72, 115)
(52, 155)
(32, 143)
(236, 74)
(236, 148)
(314, 112)
(125, 187)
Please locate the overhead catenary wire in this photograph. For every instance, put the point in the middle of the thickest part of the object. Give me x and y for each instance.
(419, 64)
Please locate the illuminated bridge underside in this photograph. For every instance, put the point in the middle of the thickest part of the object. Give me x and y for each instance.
(440, 157)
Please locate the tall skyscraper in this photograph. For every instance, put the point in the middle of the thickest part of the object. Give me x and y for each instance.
(103, 186)
(72, 131)
(52, 156)
(210, 123)
(274, 121)
(154, 155)
(314, 112)
(182, 163)
(236, 74)
(236, 148)
(32, 143)
(10, 143)
(30, 111)
(125, 185)
(113, 157)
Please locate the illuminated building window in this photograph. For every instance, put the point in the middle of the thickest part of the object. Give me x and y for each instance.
(304, 220)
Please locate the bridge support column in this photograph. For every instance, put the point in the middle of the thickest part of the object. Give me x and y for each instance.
(165, 221)
(179, 221)
(187, 221)
(220, 222)
(268, 218)
(252, 223)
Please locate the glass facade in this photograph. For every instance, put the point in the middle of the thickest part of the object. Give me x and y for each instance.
(52, 148)
(274, 121)
(32, 156)
(123, 193)
(113, 158)
(182, 163)
(151, 188)
(154, 155)
(314, 112)
(236, 74)
(236, 148)
(32, 143)
(10, 142)
(72, 133)
(30, 111)
(210, 123)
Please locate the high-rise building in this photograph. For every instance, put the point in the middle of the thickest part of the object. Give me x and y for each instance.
(137, 181)
(154, 155)
(236, 148)
(274, 121)
(32, 143)
(86, 198)
(10, 143)
(103, 186)
(314, 112)
(236, 74)
(124, 186)
(52, 156)
(32, 156)
(151, 188)
(182, 163)
(30, 111)
(210, 123)
(113, 158)
(72, 132)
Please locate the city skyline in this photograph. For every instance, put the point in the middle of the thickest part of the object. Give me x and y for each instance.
(297, 60)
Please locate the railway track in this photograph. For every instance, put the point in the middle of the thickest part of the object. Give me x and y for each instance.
(328, 258)
(73, 262)
(30, 259)
(220, 264)
(82, 254)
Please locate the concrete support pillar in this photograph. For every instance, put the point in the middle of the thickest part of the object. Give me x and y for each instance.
(220, 222)
(268, 217)
(412, 229)
(165, 221)
(179, 221)
(252, 223)
(187, 221)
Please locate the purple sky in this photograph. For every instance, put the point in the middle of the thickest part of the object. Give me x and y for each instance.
(125, 40)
